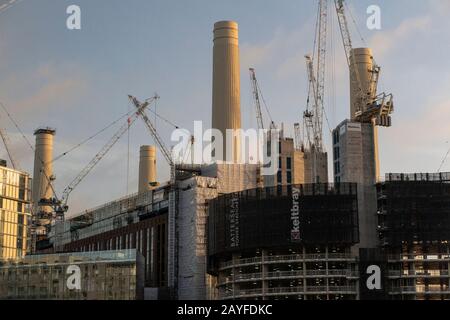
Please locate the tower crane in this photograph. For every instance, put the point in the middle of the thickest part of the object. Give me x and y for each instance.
(314, 118)
(257, 96)
(60, 206)
(173, 195)
(369, 106)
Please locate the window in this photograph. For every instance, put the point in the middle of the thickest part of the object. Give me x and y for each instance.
(289, 177)
(280, 163)
(289, 163)
(336, 153)
(337, 169)
(279, 177)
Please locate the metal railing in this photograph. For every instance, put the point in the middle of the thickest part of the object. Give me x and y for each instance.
(431, 257)
(275, 275)
(286, 259)
(416, 289)
(411, 273)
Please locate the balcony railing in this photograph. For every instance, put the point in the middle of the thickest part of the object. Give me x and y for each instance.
(411, 273)
(405, 257)
(419, 290)
(287, 259)
(288, 275)
(290, 291)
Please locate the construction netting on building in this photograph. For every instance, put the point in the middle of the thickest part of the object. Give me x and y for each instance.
(414, 210)
(283, 216)
(193, 282)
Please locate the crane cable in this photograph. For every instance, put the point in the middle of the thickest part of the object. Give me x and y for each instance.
(164, 119)
(8, 5)
(264, 102)
(92, 136)
(355, 23)
(444, 160)
(103, 130)
(32, 149)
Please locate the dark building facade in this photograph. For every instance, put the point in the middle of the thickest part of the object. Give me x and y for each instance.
(414, 230)
(290, 242)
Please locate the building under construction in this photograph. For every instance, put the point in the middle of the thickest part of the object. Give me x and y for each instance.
(414, 231)
(291, 242)
(224, 230)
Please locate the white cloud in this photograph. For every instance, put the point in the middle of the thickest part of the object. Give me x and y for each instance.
(417, 141)
(284, 52)
(389, 40)
(43, 89)
(441, 7)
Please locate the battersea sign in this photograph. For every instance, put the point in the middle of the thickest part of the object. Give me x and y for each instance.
(234, 222)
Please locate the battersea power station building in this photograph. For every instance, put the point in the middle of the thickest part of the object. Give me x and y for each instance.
(227, 231)
(290, 242)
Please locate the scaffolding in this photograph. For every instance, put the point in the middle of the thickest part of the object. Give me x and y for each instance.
(414, 209)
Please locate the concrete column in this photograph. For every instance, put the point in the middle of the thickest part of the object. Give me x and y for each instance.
(226, 105)
(234, 258)
(264, 271)
(147, 168)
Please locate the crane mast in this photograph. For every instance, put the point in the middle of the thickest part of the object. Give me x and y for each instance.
(313, 116)
(321, 65)
(172, 269)
(361, 99)
(256, 99)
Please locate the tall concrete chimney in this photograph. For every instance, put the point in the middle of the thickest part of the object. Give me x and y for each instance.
(364, 66)
(147, 168)
(226, 102)
(43, 173)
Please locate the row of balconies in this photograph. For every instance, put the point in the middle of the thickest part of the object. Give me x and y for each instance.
(283, 291)
(418, 274)
(438, 257)
(418, 290)
(287, 259)
(277, 275)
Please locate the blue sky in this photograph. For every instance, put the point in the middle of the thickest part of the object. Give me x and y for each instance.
(78, 81)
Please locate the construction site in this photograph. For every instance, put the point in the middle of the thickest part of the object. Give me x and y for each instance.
(224, 230)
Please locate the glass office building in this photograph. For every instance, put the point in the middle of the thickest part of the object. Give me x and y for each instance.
(14, 212)
(102, 275)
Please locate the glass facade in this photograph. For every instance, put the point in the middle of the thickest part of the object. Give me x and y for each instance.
(14, 213)
(104, 275)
